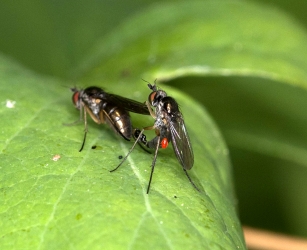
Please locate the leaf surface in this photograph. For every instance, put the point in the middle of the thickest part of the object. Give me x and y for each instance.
(76, 200)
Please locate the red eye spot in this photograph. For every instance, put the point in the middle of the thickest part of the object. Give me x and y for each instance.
(75, 98)
(152, 96)
(164, 143)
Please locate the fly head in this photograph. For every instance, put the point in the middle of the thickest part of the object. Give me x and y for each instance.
(76, 97)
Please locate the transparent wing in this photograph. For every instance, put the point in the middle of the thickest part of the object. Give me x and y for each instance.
(181, 143)
(129, 104)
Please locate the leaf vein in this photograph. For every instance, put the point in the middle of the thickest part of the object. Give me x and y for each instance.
(146, 196)
(55, 206)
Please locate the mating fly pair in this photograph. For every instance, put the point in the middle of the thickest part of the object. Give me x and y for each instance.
(114, 111)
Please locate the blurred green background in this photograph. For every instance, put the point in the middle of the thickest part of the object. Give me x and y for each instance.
(54, 38)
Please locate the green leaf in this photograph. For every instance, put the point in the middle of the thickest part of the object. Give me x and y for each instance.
(53, 36)
(224, 38)
(247, 64)
(76, 202)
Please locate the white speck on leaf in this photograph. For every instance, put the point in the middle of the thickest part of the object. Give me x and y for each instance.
(10, 104)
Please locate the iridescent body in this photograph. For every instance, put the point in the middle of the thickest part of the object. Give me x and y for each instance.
(107, 108)
(169, 127)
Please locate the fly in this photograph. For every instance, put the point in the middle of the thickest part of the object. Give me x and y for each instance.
(169, 127)
(107, 108)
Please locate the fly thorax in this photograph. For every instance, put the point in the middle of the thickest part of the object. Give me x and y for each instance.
(159, 123)
(159, 117)
(95, 106)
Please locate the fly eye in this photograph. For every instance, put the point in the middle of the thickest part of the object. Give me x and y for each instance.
(152, 97)
(75, 98)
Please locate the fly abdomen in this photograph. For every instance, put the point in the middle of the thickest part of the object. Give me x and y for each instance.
(118, 119)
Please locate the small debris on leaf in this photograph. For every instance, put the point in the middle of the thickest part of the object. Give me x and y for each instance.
(56, 157)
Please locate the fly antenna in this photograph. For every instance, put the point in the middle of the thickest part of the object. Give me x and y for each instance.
(152, 87)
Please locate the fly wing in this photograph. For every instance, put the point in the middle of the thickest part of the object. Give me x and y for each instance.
(181, 143)
(129, 104)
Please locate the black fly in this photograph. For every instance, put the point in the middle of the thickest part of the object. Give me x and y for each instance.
(169, 127)
(107, 108)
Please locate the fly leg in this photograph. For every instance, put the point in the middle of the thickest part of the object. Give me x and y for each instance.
(193, 184)
(85, 111)
(75, 122)
(82, 109)
(142, 141)
(85, 129)
(155, 143)
(153, 162)
(131, 149)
